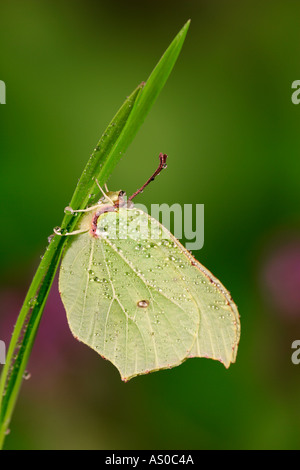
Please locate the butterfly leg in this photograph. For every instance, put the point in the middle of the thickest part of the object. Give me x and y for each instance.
(57, 231)
(73, 211)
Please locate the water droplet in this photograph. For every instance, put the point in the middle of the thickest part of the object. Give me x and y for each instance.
(68, 210)
(57, 229)
(213, 307)
(143, 303)
(32, 302)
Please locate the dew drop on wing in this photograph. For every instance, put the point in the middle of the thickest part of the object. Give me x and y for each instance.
(143, 303)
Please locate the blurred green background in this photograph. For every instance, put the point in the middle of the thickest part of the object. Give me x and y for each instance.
(226, 120)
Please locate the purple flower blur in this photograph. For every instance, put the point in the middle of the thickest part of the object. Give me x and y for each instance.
(55, 349)
(281, 276)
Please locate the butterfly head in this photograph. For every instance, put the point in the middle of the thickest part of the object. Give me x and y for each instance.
(114, 196)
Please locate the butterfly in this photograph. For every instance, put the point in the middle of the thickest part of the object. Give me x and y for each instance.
(136, 296)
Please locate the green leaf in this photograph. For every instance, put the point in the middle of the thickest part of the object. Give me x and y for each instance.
(145, 100)
(109, 150)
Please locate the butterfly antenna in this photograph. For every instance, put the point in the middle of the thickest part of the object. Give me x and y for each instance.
(162, 165)
(104, 194)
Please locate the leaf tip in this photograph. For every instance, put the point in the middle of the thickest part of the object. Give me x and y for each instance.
(187, 25)
(183, 32)
(142, 84)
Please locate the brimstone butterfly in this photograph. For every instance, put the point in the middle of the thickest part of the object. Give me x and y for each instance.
(135, 295)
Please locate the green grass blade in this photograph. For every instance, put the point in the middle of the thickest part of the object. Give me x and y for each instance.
(145, 100)
(113, 144)
(32, 309)
(103, 153)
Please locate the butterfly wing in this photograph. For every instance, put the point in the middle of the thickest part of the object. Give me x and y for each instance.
(138, 298)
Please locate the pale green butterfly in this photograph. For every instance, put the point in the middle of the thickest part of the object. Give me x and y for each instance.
(135, 295)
